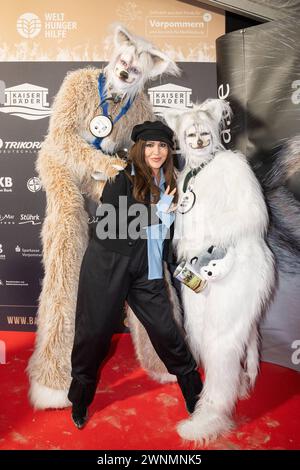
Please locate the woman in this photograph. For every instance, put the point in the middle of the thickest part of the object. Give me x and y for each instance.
(125, 262)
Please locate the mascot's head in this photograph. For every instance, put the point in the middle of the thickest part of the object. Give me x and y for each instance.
(134, 61)
(199, 129)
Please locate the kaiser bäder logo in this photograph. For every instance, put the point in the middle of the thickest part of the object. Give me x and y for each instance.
(26, 101)
(29, 25)
(168, 96)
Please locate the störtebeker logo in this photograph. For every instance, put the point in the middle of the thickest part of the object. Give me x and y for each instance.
(27, 101)
(29, 25)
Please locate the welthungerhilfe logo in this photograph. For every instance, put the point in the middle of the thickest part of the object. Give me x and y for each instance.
(26, 101)
(29, 25)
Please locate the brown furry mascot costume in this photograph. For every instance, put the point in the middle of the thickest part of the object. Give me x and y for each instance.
(77, 157)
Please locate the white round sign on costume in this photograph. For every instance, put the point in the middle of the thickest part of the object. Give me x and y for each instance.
(187, 202)
(101, 126)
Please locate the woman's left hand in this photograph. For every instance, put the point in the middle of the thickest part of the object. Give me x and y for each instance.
(168, 193)
(173, 206)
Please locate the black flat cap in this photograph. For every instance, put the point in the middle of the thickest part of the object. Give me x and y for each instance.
(156, 130)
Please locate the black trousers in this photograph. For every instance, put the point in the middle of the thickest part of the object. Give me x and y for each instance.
(107, 279)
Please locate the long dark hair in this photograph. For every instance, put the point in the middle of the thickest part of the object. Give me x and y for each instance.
(143, 182)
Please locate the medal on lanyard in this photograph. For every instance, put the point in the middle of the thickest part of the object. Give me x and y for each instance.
(102, 124)
(187, 202)
(188, 199)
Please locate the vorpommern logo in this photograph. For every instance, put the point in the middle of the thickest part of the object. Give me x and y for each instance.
(26, 101)
(29, 25)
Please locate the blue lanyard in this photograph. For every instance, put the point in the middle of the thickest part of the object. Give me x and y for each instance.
(104, 105)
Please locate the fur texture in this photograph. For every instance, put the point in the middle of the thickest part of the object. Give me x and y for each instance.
(65, 165)
(281, 186)
(221, 322)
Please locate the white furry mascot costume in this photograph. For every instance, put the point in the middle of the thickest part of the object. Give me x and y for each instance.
(221, 205)
(80, 144)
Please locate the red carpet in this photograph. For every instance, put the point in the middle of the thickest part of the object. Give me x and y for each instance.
(131, 411)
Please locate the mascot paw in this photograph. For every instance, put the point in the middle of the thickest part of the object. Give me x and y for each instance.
(217, 269)
(99, 176)
(186, 430)
(203, 428)
(118, 167)
(114, 167)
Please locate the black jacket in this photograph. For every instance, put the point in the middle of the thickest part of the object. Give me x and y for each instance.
(118, 239)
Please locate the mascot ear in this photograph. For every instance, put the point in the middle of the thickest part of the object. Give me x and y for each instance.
(172, 118)
(122, 37)
(218, 109)
(162, 64)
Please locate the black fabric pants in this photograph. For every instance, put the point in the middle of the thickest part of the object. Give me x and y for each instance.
(107, 279)
(175, 283)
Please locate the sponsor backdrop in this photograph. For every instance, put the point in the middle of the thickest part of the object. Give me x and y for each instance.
(259, 73)
(65, 30)
(41, 41)
(67, 36)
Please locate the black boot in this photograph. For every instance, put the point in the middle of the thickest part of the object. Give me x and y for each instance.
(79, 415)
(191, 387)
